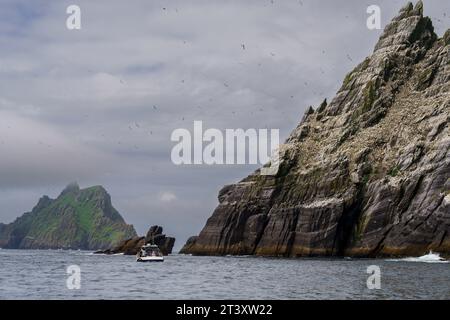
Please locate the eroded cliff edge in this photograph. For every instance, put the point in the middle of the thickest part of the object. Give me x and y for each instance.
(365, 175)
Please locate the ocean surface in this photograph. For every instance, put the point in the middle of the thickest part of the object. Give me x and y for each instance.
(42, 274)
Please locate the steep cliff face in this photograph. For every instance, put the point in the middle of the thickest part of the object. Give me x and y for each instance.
(77, 219)
(365, 175)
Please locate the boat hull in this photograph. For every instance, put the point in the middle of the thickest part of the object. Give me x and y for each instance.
(150, 259)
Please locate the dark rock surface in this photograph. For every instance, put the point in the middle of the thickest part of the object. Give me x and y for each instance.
(367, 174)
(133, 245)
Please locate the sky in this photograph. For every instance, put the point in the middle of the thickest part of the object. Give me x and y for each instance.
(98, 105)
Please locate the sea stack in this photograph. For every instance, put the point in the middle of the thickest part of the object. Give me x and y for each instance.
(133, 245)
(367, 174)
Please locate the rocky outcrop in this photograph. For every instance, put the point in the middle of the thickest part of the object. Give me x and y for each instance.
(133, 245)
(364, 175)
(77, 219)
(155, 235)
(190, 243)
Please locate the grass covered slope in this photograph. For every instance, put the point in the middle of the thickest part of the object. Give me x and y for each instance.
(77, 219)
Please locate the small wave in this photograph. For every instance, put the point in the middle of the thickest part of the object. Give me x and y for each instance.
(428, 258)
(93, 253)
(104, 254)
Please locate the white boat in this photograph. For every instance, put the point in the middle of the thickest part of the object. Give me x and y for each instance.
(431, 257)
(149, 253)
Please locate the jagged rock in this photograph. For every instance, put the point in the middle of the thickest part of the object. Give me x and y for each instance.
(133, 245)
(189, 243)
(155, 235)
(321, 109)
(130, 246)
(308, 113)
(152, 232)
(369, 177)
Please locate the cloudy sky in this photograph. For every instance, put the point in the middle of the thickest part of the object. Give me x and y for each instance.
(98, 105)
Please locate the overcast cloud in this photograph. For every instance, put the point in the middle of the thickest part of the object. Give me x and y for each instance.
(98, 105)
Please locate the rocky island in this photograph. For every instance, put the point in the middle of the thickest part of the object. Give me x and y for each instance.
(365, 175)
(133, 245)
(76, 219)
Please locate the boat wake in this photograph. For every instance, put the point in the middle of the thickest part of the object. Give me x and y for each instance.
(428, 258)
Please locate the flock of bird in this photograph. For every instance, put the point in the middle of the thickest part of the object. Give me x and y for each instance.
(244, 47)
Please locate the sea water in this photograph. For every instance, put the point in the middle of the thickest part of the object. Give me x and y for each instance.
(42, 274)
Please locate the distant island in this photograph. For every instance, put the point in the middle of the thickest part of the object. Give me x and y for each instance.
(76, 219)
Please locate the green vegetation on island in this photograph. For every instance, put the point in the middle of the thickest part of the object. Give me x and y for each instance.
(76, 219)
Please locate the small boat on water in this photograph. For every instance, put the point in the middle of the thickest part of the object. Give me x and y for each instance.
(149, 253)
